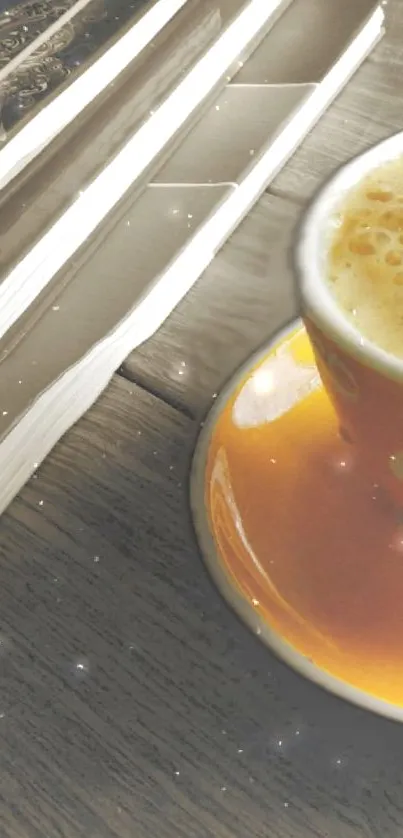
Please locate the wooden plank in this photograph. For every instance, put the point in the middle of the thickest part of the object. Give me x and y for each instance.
(243, 298)
(133, 703)
(367, 111)
(390, 50)
(247, 294)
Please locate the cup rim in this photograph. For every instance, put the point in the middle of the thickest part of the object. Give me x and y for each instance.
(309, 250)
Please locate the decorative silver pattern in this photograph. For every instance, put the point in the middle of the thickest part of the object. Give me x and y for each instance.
(43, 70)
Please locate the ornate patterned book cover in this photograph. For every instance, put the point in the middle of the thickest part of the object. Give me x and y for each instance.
(33, 67)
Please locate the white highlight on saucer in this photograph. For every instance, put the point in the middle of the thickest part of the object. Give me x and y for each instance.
(263, 381)
(278, 385)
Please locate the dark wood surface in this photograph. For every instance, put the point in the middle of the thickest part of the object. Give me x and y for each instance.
(245, 295)
(132, 702)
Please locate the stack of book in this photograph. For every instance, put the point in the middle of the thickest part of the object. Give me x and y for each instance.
(121, 181)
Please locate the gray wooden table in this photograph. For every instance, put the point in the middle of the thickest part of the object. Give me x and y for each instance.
(132, 701)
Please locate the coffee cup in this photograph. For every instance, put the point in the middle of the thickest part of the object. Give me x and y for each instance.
(362, 379)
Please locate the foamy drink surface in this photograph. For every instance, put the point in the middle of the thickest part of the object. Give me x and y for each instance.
(365, 257)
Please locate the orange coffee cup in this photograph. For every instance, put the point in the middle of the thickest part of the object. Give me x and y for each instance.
(363, 381)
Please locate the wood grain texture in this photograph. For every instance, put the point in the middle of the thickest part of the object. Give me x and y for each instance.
(247, 293)
(368, 110)
(133, 703)
(245, 296)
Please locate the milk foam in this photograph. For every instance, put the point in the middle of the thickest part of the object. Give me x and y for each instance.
(365, 257)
